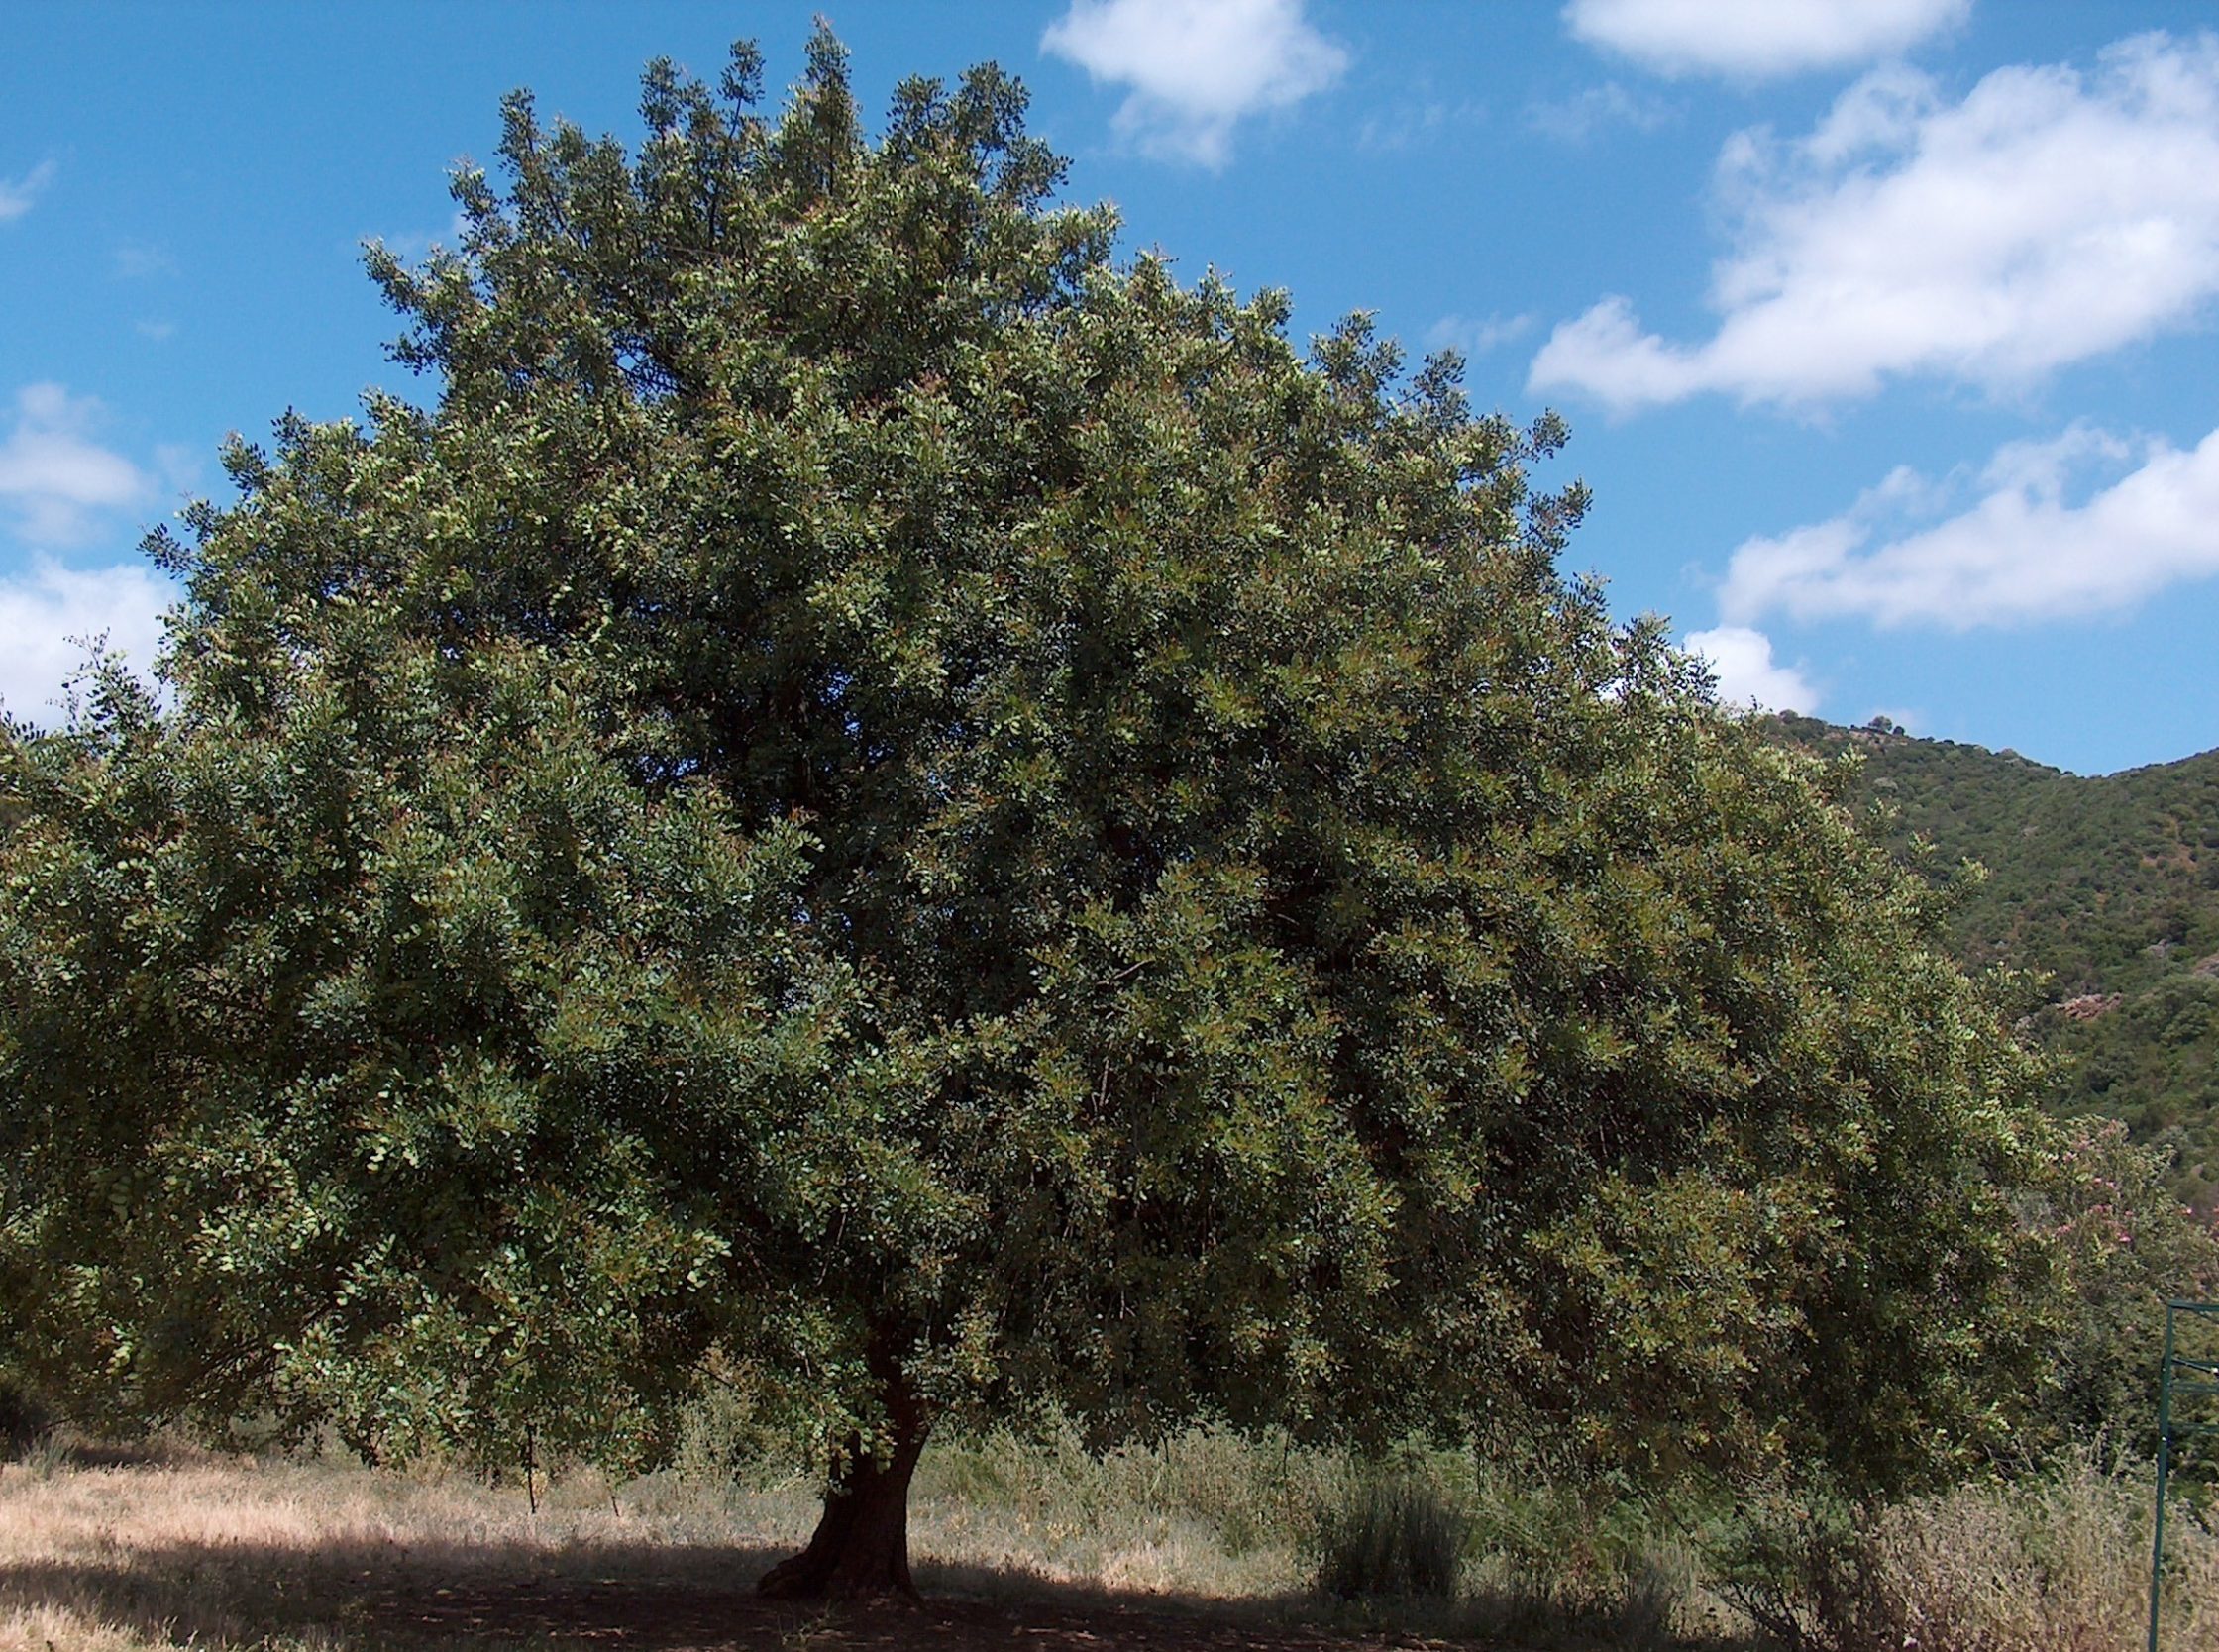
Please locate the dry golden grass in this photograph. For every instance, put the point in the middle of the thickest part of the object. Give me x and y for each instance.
(208, 1550)
(1190, 1544)
(203, 1550)
(2059, 1565)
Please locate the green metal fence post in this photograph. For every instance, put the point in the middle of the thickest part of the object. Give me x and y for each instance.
(2165, 1464)
(2191, 1378)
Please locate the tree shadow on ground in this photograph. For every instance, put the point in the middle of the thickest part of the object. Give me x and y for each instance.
(350, 1596)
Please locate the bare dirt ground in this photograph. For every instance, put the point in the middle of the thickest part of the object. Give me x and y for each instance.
(304, 1558)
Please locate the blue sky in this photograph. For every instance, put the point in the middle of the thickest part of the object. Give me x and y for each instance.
(1884, 327)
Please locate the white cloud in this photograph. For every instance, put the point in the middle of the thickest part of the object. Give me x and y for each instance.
(1476, 336)
(55, 478)
(2046, 218)
(1196, 66)
(1742, 661)
(1416, 122)
(138, 262)
(50, 616)
(2022, 551)
(1751, 40)
(17, 196)
(1606, 354)
(1580, 117)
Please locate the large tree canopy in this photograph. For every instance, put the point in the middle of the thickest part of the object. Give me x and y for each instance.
(880, 807)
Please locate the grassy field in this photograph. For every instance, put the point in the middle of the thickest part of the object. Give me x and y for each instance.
(1205, 1542)
(187, 1549)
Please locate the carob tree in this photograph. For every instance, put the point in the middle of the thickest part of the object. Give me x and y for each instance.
(878, 808)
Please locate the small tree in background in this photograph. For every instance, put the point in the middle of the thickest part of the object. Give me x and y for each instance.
(879, 807)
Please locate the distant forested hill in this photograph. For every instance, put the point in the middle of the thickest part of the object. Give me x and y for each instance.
(2110, 885)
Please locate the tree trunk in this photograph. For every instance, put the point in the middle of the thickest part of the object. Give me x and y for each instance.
(861, 1546)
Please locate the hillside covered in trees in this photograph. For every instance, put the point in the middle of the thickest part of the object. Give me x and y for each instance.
(2105, 888)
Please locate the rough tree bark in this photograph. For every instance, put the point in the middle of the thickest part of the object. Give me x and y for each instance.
(861, 1546)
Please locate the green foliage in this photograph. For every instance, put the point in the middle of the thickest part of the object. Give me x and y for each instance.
(876, 807)
(2106, 888)
(1788, 1560)
(343, 1048)
(2129, 1246)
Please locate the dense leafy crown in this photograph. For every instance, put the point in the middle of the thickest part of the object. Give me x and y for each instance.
(878, 797)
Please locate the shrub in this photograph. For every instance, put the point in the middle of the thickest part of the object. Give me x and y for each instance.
(2058, 1562)
(24, 1420)
(1392, 1533)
